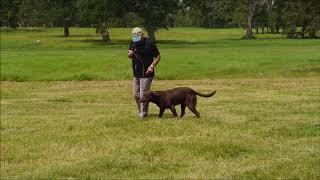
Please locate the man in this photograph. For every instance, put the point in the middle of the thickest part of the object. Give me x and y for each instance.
(145, 56)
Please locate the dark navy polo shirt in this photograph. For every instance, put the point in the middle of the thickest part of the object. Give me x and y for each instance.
(144, 53)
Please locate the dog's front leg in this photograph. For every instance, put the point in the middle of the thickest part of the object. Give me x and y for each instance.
(161, 112)
(173, 110)
(183, 110)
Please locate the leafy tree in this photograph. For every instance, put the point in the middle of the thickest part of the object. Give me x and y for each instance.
(66, 10)
(240, 14)
(313, 25)
(131, 19)
(261, 19)
(297, 18)
(29, 13)
(99, 13)
(251, 9)
(277, 15)
(304, 14)
(213, 13)
(9, 13)
(155, 14)
(37, 13)
(48, 13)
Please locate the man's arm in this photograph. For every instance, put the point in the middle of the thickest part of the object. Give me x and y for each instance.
(154, 63)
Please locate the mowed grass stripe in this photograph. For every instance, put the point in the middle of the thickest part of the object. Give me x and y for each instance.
(187, 53)
(176, 64)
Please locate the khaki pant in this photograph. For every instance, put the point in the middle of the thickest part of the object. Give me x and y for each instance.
(140, 86)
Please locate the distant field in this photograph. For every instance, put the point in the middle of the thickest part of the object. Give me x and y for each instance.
(187, 53)
(251, 129)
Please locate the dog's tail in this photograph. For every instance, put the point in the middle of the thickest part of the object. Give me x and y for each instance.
(205, 95)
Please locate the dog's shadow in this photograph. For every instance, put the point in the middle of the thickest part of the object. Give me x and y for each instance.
(164, 117)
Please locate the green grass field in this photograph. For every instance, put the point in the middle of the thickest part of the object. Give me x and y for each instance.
(263, 123)
(187, 53)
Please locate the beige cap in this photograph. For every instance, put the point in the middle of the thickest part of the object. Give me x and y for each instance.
(137, 30)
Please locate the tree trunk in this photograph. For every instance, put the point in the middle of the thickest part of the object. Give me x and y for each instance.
(151, 35)
(66, 31)
(105, 33)
(303, 30)
(249, 27)
(252, 7)
(97, 29)
(257, 30)
(13, 22)
(66, 27)
(291, 32)
(277, 28)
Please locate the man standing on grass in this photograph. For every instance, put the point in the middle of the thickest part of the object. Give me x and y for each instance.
(145, 56)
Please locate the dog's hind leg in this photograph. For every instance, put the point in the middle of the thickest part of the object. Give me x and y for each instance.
(193, 109)
(192, 105)
(173, 110)
(161, 112)
(183, 110)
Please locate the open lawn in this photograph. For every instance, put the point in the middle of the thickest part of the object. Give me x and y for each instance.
(264, 121)
(187, 53)
(251, 128)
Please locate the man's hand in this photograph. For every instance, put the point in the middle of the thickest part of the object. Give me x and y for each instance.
(150, 70)
(130, 54)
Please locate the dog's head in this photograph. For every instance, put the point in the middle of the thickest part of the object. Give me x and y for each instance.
(150, 96)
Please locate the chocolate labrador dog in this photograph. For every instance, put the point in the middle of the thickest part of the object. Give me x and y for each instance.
(170, 98)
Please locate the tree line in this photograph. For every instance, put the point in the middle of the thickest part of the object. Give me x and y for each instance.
(295, 18)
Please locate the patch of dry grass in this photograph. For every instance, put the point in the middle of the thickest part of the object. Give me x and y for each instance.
(252, 128)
